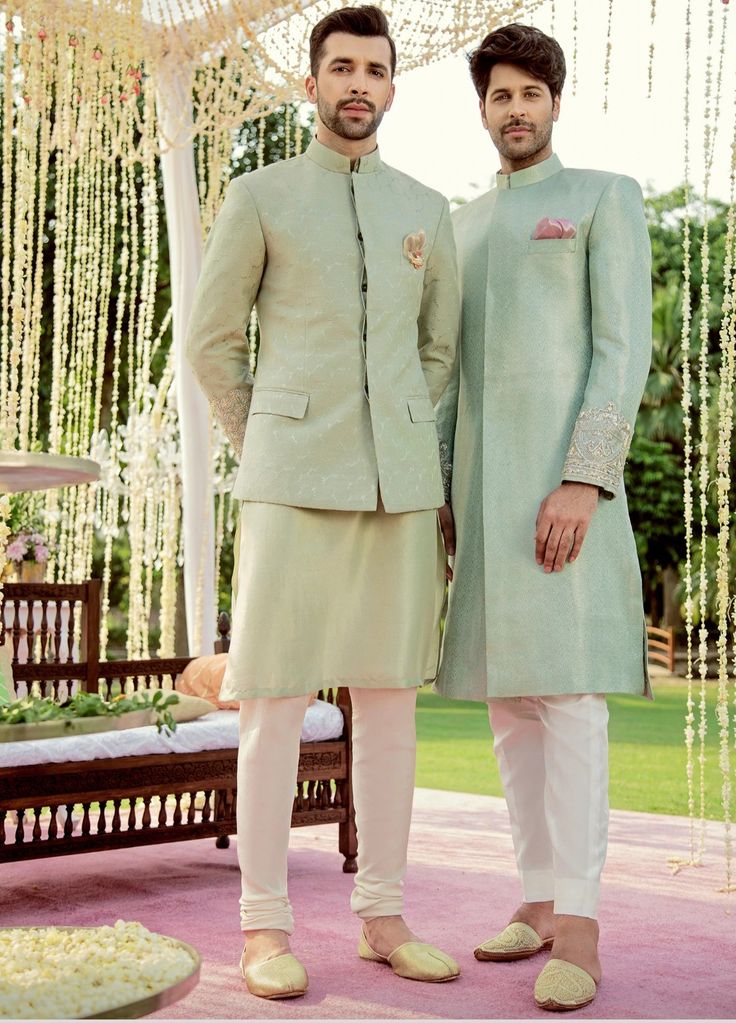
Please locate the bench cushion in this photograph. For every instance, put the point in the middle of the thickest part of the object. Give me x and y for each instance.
(218, 730)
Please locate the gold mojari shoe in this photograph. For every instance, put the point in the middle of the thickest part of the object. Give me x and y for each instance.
(562, 986)
(280, 977)
(414, 960)
(517, 941)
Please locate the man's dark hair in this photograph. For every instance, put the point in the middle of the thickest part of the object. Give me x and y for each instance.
(356, 21)
(538, 54)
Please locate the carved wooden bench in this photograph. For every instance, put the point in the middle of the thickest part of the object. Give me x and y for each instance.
(117, 803)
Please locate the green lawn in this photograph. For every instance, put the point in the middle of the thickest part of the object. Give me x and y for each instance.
(647, 751)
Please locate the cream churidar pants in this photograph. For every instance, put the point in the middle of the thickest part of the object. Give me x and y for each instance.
(384, 745)
(553, 758)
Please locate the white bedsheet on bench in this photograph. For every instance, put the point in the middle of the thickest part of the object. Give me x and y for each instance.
(218, 730)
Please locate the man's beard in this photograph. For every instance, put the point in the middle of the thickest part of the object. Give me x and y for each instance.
(339, 123)
(537, 139)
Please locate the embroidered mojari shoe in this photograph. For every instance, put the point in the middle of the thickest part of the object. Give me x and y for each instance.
(280, 977)
(414, 960)
(562, 986)
(517, 941)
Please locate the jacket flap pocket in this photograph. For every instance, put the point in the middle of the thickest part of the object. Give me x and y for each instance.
(540, 246)
(421, 410)
(279, 403)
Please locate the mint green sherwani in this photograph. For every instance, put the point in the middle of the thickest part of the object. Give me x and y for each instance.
(554, 355)
(357, 344)
(340, 569)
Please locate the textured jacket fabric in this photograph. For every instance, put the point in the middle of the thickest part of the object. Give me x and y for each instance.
(356, 343)
(554, 354)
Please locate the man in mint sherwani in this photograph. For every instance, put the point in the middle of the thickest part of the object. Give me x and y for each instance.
(545, 613)
(341, 571)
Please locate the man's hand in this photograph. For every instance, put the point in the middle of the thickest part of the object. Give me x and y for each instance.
(562, 522)
(447, 525)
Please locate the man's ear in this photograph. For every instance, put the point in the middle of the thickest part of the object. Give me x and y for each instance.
(482, 108)
(390, 100)
(556, 108)
(310, 87)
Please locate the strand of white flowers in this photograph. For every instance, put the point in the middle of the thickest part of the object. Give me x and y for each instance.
(150, 241)
(38, 291)
(727, 339)
(79, 254)
(650, 67)
(62, 234)
(52, 497)
(113, 506)
(8, 115)
(29, 140)
(575, 27)
(106, 217)
(687, 402)
(704, 398)
(171, 520)
(133, 281)
(20, 233)
(609, 52)
(91, 356)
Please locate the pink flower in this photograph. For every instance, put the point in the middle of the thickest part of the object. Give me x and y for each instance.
(554, 228)
(16, 550)
(414, 249)
(41, 552)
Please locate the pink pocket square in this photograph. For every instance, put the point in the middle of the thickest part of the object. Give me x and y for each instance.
(558, 227)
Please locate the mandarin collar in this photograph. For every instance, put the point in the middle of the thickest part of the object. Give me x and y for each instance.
(530, 175)
(329, 160)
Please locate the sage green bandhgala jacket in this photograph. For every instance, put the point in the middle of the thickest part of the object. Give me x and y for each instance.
(356, 342)
(554, 354)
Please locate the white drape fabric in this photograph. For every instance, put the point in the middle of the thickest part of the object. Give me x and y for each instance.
(553, 759)
(384, 747)
(184, 230)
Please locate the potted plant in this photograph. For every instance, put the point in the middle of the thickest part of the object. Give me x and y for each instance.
(28, 548)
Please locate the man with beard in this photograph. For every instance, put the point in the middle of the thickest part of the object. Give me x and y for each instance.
(545, 612)
(351, 266)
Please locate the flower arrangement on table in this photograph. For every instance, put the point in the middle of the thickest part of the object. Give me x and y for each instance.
(28, 549)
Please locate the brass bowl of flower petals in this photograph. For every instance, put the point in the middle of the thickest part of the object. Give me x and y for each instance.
(119, 972)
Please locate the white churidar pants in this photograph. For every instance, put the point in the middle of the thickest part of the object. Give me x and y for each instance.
(553, 759)
(384, 754)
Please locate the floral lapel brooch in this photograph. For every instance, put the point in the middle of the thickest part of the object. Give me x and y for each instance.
(414, 249)
(557, 227)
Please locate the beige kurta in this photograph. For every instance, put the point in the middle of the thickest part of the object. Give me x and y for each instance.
(327, 598)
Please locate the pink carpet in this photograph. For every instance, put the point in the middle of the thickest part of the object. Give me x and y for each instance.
(668, 943)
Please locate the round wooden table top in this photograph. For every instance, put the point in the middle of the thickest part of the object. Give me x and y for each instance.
(38, 470)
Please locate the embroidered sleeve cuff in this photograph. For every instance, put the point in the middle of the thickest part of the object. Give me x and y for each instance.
(600, 443)
(231, 412)
(446, 469)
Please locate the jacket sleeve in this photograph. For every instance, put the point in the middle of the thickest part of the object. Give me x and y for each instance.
(217, 341)
(619, 262)
(439, 314)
